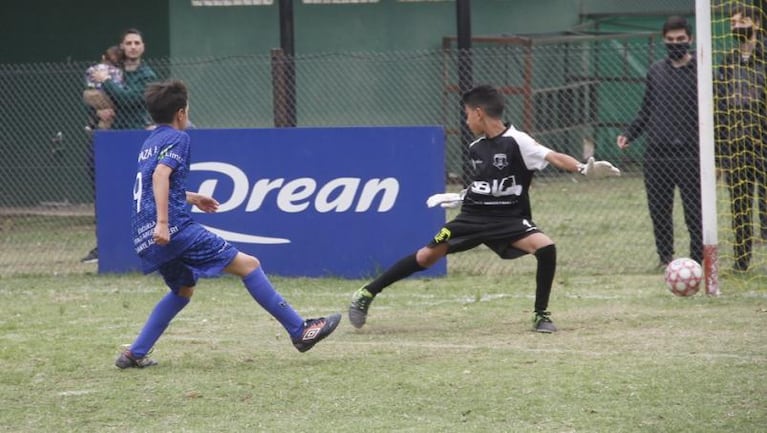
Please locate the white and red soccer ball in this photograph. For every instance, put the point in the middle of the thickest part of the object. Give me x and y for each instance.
(683, 276)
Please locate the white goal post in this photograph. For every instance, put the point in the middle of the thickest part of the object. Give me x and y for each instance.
(706, 125)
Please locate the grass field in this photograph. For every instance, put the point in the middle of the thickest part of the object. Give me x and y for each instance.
(452, 354)
(438, 355)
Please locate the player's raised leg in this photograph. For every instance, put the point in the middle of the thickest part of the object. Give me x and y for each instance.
(419, 261)
(303, 333)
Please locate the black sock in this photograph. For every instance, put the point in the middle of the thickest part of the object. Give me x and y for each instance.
(544, 277)
(402, 269)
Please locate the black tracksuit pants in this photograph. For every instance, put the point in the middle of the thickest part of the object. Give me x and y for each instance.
(661, 177)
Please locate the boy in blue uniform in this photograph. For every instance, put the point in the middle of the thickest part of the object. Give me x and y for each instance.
(169, 241)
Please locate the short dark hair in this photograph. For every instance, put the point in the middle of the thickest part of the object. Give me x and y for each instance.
(486, 97)
(131, 31)
(675, 22)
(115, 54)
(747, 11)
(164, 99)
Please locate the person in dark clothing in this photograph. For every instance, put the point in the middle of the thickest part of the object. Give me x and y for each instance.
(669, 119)
(495, 207)
(741, 129)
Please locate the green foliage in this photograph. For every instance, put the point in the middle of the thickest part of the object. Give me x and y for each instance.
(438, 355)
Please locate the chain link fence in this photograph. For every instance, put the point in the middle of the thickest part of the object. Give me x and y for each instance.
(573, 92)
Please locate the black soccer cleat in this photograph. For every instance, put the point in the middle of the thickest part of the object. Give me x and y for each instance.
(358, 309)
(315, 330)
(127, 360)
(542, 322)
(92, 257)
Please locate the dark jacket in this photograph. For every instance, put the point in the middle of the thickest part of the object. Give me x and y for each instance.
(669, 112)
(741, 104)
(130, 109)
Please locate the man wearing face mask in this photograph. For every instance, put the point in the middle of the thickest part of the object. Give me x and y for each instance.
(669, 119)
(741, 129)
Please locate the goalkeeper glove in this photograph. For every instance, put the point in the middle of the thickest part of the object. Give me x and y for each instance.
(597, 169)
(446, 200)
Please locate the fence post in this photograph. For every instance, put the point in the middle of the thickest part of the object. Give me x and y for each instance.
(283, 89)
(284, 70)
(465, 74)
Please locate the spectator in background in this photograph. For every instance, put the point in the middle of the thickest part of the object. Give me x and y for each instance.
(741, 128)
(669, 119)
(128, 97)
(94, 96)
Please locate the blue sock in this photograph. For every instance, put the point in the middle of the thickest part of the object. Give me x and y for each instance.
(158, 321)
(262, 291)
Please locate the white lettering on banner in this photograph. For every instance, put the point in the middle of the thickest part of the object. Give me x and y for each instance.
(290, 196)
(246, 238)
(347, 189)
(207, 187)
(390, 188)
(297, 195)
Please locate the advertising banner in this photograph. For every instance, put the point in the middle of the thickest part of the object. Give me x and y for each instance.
(335, 202)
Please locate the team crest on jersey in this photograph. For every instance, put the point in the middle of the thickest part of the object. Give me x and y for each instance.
(499, 161)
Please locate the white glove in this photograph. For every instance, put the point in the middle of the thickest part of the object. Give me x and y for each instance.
(446, 200)
(597, 169)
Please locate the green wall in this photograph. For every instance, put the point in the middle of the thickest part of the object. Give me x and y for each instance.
(55, 30)
(384, 26)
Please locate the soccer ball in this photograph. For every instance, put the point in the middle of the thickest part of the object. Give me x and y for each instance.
(683, 277)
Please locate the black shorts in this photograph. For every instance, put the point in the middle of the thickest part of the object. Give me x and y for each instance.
(468, 231)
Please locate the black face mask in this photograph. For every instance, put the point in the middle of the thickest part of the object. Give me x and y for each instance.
(677, 50)
(742, 34)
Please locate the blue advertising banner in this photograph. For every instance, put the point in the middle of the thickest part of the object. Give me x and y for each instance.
(337, 202)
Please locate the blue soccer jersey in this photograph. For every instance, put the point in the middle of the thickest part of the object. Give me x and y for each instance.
(170, 147)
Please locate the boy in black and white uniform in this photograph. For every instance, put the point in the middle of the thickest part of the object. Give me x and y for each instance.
(495, 207)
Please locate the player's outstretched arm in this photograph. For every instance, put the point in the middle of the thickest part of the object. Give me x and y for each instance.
(597, 169)
(592, 168)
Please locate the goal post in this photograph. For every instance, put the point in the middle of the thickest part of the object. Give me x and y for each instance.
(706, 129)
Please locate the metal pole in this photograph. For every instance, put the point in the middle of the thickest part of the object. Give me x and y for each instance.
(465, 73)
(285, 107)
(281, 99)
(286, 27)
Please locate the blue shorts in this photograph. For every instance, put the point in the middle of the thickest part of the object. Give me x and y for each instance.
(206, 257)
